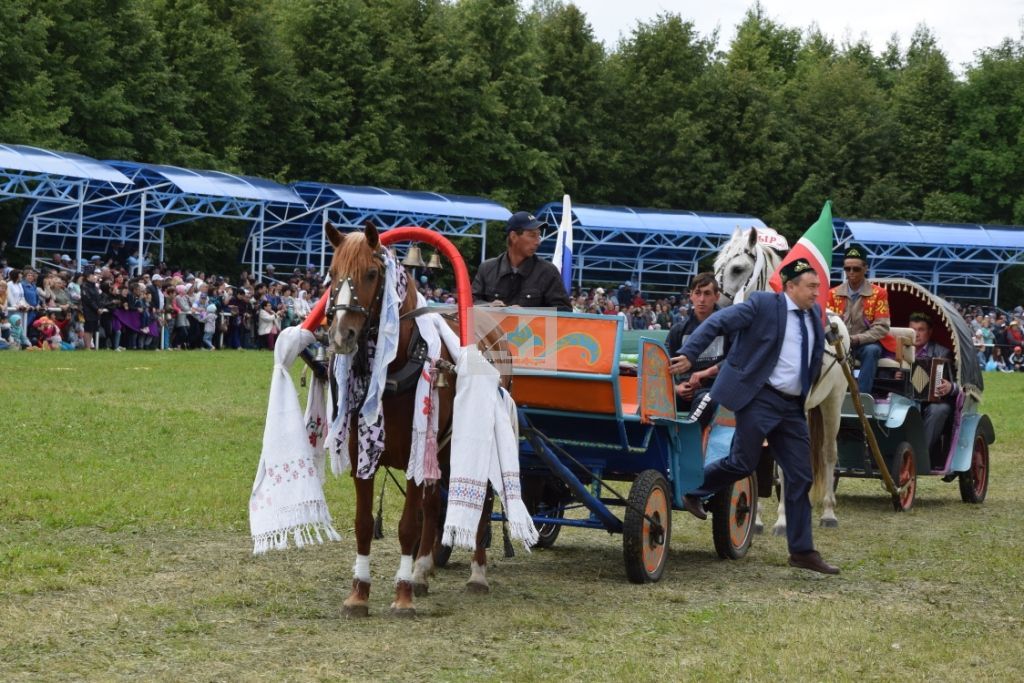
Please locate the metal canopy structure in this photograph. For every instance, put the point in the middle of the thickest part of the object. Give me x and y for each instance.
(300, 240)
(58, 186)
(951, 260)
(78, 203)
(179, 195)
(658, 250)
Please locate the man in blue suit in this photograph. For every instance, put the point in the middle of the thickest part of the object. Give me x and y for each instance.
(765, 379)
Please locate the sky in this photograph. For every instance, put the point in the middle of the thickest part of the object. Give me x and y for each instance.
(961, 26)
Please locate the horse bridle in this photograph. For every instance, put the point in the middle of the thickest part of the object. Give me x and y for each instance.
(721, 271)
(354, 306)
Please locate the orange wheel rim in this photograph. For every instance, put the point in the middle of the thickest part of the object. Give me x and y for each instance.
(907, 481)
(654, 543)
(740, 518)
(979, 469)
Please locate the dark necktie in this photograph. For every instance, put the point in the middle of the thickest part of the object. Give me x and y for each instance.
(805, 370)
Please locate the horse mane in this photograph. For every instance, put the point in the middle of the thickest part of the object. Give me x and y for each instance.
(354, 255)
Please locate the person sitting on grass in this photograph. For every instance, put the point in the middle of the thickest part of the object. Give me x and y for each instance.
(1016, 360)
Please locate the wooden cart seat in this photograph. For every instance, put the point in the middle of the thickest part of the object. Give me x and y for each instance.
(570, 363)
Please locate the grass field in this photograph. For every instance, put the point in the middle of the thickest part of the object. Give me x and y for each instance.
(124, 554)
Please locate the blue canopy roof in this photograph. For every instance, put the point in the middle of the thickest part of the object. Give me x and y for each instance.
(659, 249)
(212, 183)
(950, 259)
(406, 201)
(950, 234)
(659, 220)
(64, 164)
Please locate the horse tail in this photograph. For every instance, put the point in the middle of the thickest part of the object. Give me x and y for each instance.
(820, 476)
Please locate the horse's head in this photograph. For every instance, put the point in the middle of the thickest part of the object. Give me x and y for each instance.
(357, 286)
(734, 265)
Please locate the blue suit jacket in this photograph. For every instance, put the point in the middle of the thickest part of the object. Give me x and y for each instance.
(757, 326)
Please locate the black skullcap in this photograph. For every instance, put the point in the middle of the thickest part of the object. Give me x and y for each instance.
(795, 268)
(857, 251)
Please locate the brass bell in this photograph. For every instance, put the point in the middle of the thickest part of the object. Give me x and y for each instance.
(413, 258)
(442, 379)
(435, 262)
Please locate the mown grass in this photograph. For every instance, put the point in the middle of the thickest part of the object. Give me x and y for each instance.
(124, 553)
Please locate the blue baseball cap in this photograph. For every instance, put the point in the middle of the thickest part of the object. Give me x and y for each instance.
(524, 220)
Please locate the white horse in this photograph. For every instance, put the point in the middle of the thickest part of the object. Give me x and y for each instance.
(744, 265)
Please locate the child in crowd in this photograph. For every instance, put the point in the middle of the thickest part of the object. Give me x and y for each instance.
(16, 334)
(209, 326)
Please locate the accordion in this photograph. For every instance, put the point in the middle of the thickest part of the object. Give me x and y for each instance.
(926, 376)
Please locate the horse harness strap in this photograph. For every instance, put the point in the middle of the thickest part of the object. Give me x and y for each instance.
(404, 378)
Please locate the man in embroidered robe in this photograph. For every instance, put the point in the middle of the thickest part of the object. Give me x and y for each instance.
(864, 308)
(692, 387)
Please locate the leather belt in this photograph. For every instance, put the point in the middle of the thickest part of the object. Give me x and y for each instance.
(781, 394)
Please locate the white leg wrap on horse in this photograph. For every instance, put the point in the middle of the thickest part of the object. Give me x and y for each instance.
(478, 573)
(361, 569)
(422, 568)
(404, 569)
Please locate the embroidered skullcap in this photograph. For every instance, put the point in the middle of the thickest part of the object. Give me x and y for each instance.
(856, 251)
(794, 269)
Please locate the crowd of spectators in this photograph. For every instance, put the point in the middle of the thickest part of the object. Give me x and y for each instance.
(120, 301)
(998, 336)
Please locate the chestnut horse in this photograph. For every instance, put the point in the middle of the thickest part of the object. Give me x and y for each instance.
(357, 275)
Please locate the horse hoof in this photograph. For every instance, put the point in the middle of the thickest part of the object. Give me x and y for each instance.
(403, 612)
(420, 589)
(477, 588)
(356, 611)
(759, 529)
(830, 523)
(779, 531)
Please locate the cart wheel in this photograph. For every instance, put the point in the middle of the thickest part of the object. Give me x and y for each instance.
(906, 479)
(974, 482)
(547, 498)
(548, 533)
(733, 511)
(645, 545)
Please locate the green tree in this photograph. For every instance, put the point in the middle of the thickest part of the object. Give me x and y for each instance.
(209, 90)
(32, 112)
(572, 64)
(658, 146)
(924, 111)
(987, 152)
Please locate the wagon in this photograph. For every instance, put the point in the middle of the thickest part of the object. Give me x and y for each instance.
(895, 408)
(590, 426)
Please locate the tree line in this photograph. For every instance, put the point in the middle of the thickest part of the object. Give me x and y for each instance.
(487, 97)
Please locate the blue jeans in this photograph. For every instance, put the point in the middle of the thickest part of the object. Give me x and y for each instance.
(868, 355)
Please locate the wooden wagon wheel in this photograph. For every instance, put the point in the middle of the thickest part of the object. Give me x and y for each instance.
(906, 478)
(733, 511)
(974, 482)
(645, 544)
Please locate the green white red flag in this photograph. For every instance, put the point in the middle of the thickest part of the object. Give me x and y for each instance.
(816, 247)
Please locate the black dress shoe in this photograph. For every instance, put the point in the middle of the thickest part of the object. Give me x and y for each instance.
(694, 506)
(812, 560)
